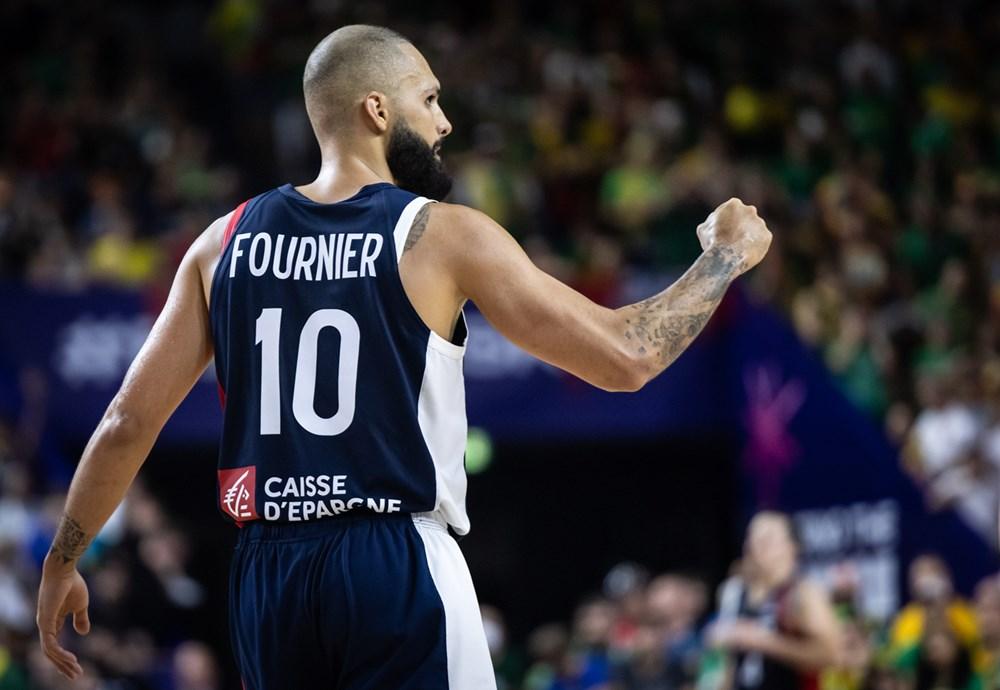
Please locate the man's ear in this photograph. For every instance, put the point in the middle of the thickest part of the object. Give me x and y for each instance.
(376, 111)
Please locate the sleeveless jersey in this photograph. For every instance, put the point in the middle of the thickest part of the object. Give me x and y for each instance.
(338, 399)
(756, 671)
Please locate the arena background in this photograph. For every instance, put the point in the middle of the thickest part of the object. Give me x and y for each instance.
(852, 380)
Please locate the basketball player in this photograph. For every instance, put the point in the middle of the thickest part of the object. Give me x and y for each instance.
(334, 315)
(780, 629)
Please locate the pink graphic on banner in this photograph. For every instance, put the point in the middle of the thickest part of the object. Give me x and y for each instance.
(771, 450)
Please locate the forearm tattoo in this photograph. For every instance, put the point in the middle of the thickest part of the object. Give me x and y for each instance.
(71, 541)
(665, 324)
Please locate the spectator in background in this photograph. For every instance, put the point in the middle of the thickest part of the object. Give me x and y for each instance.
(646, 668)
(942, 662)
(857, 662)
(16, 619)
(987, 609)
(778, 629)
(625, 585)
(951, 450)
(677, 603)
(195, 667)
(666, 648)
(933, 601)
(578, 661)
(588, 666)
(854, 668)
(548, 647)
(507, 663)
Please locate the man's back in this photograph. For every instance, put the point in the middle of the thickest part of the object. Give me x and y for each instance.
(342, 453)
(338, 398)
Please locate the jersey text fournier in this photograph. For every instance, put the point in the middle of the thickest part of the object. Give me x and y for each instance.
(312, 257)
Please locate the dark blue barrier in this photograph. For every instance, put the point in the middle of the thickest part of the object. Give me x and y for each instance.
(810, 452)
(83, 343)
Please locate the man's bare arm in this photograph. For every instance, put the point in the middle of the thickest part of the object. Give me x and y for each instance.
(660, 328)
(614, 349)
(170, 362)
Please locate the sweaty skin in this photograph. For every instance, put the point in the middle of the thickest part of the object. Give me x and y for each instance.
(453, 254)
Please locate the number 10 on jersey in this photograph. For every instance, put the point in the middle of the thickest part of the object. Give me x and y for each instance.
(304, 388)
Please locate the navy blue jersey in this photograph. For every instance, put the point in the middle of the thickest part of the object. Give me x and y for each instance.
(338, 398)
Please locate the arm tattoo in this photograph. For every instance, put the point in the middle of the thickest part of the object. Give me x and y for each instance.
(71, 541)
(418, 227)
(665, 324)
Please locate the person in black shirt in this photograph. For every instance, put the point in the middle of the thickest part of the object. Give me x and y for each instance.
(778, 628)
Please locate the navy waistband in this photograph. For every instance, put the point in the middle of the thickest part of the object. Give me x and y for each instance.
(260, 530)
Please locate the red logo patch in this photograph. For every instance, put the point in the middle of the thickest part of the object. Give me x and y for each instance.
(237, 493)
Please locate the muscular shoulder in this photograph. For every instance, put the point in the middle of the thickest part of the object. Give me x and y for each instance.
(449, 231)
(443, 223)
(457, 213)
(208, 245)
(203, 254)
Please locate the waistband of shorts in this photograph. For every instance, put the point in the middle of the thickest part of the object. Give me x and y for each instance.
(260, 530)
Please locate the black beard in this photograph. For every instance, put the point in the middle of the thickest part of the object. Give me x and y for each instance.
(414, 166)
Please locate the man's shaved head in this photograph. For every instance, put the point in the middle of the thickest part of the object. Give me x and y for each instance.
(370, 91)
(349, 63)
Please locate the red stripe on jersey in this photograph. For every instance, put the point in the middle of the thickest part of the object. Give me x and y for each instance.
(231, 226)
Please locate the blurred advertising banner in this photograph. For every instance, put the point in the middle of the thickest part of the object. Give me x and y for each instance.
(806, 449)
(76, 348)
(514, 395)
(854, 547)
(809, 452)
(83, 343)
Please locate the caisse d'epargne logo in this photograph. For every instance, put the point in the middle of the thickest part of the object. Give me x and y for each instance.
(237, 493)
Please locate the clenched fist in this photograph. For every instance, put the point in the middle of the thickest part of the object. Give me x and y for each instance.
(736, 226)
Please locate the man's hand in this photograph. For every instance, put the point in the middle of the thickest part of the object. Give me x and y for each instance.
(62, 592)
(736, 226)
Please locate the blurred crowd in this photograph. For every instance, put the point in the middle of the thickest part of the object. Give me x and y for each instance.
(769, 629)
(152, 618)
(600, 134)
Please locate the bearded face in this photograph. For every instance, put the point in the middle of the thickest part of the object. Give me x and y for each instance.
(416, 166)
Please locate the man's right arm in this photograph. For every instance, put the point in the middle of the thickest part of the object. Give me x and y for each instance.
(614, 349)
(175, 354)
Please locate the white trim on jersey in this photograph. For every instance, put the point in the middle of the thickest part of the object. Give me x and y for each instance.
(405, 222)
(441, 416)
(441, 405)
(469, 663)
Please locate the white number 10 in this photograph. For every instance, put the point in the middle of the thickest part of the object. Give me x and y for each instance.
(304, 391)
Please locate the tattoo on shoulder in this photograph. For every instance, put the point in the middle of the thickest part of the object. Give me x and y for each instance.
(71, 541)
(418, 227)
